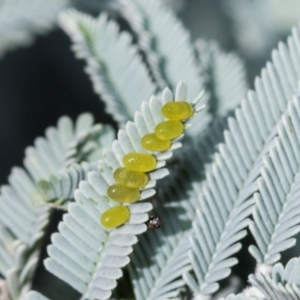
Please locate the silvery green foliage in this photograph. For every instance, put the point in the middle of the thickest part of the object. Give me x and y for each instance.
(138, 23)
(108, 249)
(224, 204)
(155, 269)
(233, 284)
(225, 83)
(86, 144)
(225, 77)
(163, 281)
(159, 259)
(115, 67)
(282, 283)
(68, 143)
(276, 215)
(59, 188)
(21, 20)
(24, 216)
(237, 297)
(158, 30)
(21, 196)
(23, 220)
(88, 141)
(94, 266)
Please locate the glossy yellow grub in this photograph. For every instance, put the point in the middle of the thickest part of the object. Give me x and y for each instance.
(178, 110)
(123, 194)
(115, 216)
(152, 143)
(130, 178)
(169, 130)
(140, 162)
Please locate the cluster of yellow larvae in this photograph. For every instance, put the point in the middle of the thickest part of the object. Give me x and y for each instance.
(133, 176)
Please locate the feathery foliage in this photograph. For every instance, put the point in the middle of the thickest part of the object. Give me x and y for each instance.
(60, 188)
(276, 214)
(93, 268)
(85, 144)
(20, 20)
(225, 77)
(170, 244)
(169, 58)
(282, 283)
(69, 143)
(115, 67)
(24, 216)
(223, 204)
(158, 30)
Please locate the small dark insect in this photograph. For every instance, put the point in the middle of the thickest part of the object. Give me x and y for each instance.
(154, 222)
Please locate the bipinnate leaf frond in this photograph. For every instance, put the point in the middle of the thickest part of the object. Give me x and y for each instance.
(155, 269)
(137, 20)
(282, 283)
(289, 274)
(168, 56)
(158, 30)
(209, 270)
(224, 204)
(18, 260)
(152, 281)
(83, 253)
(23, 223)
(115, 67)
(86, 142)
(59, 188)
(175, 204)
(24, 215)
(20, 21)
(95, 266)
(276, 215)
(230, 180)
(225, 77)
(6, 249)
(23, 195)
(67, 144)
(20, 204)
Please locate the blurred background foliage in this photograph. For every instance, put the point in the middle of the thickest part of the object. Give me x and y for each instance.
(44, 80)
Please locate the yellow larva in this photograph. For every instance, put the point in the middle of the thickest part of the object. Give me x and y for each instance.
(152, 143)
(130, 178)
(115, 216)
(178, 110)
(123, 194)
(169, 130)
(140, 162)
